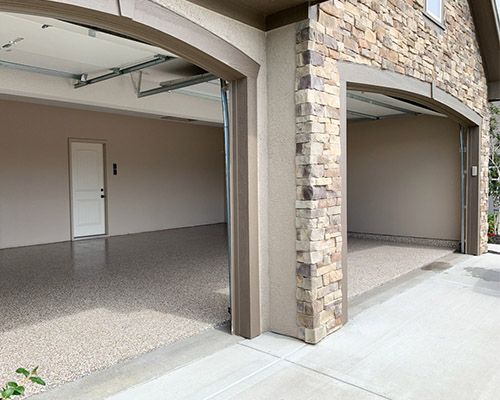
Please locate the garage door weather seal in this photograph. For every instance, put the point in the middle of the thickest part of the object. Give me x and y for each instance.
(225, 116)
(462, 190)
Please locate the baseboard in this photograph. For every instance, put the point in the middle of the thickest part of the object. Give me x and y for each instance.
(453, 244)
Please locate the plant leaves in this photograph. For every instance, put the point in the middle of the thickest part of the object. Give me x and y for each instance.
(37, 380)
(6, 393)
(34, 371)
(23, 371)
(18, 391)
(12, 384)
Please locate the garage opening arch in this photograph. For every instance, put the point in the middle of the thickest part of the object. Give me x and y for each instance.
(153, 24)
(359, 77)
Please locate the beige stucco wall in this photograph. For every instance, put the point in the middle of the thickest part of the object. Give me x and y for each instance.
(403, 177)
(281, 146)
(169, 174)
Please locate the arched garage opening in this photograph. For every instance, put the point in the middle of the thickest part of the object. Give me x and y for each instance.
(152, 25)
(411, 175)
(403, 188)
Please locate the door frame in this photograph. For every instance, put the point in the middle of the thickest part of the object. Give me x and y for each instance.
(159, 26)
(72, 140)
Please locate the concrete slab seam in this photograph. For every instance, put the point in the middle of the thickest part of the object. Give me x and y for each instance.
(340, 380)
(273, 355)
(278, 359)
(237, 382)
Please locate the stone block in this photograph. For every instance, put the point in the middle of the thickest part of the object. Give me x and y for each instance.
(315, 335)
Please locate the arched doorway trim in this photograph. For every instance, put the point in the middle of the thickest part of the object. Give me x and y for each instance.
(363, 77)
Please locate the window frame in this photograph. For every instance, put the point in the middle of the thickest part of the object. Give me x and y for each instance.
(437, 19)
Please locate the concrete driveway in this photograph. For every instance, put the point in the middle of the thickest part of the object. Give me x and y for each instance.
(435, 335)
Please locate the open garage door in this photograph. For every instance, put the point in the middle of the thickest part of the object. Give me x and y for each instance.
(123, 144)
(405, 188)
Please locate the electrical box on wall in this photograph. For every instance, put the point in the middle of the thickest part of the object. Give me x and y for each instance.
(115, 169)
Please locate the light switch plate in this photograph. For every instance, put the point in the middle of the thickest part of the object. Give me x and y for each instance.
(474, 170)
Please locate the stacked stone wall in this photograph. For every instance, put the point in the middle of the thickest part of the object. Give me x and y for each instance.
(392, 35)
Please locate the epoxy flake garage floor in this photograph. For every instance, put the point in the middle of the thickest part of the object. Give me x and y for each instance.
(371, 263)
(76, 307)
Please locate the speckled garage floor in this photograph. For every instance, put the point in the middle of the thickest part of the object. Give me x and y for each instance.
(73, 308)
(371, 263)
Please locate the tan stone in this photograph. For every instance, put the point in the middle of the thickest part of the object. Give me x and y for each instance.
(314, 336)
(370, 36)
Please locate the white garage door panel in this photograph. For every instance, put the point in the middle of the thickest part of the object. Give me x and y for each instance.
(87, 174)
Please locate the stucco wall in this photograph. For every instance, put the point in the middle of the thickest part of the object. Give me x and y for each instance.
(281, 145)
(403, 177)
(169, 174)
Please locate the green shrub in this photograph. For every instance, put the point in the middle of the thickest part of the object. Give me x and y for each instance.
(492, 232)
(494, 172)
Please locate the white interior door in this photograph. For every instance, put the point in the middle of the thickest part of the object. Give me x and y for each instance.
(87, 186)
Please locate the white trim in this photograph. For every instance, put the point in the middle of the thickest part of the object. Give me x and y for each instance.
(437, 18)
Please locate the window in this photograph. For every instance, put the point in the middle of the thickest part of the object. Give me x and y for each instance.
(497, 3)
(435, 9)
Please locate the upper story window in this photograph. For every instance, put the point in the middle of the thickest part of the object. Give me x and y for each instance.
(434, 8)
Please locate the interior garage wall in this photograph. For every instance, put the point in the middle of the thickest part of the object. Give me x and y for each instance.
(403, 177)
(169, 174)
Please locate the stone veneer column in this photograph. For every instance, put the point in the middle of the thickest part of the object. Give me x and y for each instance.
(387, 35)
(319, 197)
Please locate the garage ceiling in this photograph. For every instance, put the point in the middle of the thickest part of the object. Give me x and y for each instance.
(48, 45)
(374, 106)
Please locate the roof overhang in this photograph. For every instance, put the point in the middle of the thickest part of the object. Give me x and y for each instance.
(262, 14)
(267, 15)
(487, 26)
(494, 91)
